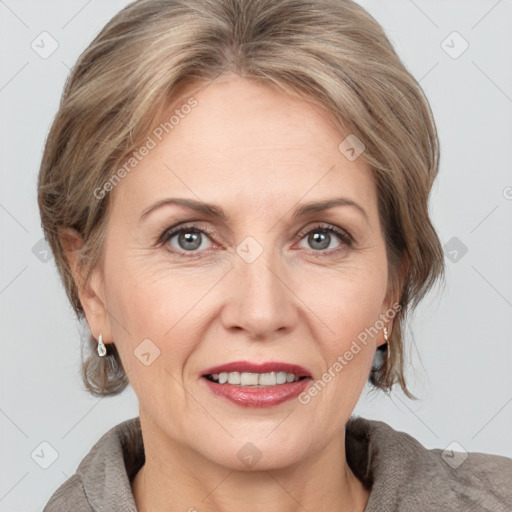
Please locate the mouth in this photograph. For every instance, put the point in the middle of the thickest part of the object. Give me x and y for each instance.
(257, 384)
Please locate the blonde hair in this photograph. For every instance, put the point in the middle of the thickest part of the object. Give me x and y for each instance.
(330, 51)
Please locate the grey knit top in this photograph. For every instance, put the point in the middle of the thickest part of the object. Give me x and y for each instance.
(401, 474)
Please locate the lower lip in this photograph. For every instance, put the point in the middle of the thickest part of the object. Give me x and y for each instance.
(258, 396)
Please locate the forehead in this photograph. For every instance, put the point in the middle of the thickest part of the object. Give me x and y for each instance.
(241, 142)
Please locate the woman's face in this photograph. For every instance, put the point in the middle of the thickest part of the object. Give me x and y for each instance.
(261, 283)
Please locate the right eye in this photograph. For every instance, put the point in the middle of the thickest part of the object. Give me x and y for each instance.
(188, 239)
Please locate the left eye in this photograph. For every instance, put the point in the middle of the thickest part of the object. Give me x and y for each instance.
(320, 237)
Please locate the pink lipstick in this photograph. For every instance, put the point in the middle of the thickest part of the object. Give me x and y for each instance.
(257, 384)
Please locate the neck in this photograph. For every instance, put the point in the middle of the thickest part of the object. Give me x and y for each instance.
(174, 478)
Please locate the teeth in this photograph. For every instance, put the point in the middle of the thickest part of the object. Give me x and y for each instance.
(234, 378)
(265, 379)
(254, 379)
(249, 379)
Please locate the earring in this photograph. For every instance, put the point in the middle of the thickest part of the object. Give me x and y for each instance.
(388, 349)
(102, 350)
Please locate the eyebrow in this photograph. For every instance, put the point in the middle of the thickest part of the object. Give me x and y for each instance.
(217, 212)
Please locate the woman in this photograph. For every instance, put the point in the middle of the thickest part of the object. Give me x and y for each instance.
(236, 195)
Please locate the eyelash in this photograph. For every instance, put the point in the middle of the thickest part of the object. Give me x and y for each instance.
(344, 236)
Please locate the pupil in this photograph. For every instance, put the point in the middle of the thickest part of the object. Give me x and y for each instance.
(191, 240)
(322, 238)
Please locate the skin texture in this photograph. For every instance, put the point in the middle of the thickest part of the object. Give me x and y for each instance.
(258, 154)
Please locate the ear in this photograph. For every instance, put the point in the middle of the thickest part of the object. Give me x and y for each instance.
(392, 300)
(91, 289)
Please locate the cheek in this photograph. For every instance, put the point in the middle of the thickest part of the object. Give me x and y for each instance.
(348, 305)
(150, 300)
(350, 308)
(152, 333)
(349, 301)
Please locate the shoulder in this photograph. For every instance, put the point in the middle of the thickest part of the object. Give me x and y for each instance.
(103, 478)
(405, 475)
(69, 496)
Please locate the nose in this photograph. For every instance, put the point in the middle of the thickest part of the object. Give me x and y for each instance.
(261, 300)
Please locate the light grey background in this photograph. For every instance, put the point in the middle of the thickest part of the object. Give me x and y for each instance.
(461, 355)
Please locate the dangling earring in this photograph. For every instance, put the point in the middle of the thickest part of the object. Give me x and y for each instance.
(388, 348)
(102, 350)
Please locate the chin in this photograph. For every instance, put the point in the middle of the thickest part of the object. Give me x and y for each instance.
(261, 452)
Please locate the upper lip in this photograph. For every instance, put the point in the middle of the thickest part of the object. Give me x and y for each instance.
(264, 367)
